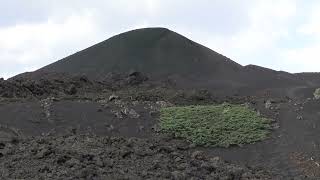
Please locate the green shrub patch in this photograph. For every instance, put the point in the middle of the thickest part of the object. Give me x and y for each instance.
(215, 125)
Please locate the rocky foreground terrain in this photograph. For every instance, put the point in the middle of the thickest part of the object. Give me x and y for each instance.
(91, 157)
(77, 128)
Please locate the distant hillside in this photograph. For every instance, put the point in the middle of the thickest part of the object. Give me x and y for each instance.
(313, 78)
(157, 51)
(162, 53)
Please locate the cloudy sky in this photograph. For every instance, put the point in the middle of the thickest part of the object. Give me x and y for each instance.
(278, 34)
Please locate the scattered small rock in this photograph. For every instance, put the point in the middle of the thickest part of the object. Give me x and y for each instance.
(113, 97)
(316, 94)
(154, 113)
(268, 104)
(299, 117)
(156, 128)
(177, 175)
(99, 162)
(117, 114)
(43, 153)
(46, 105)
(71, 90)
(197, 155)
(163, 104)
(135, 78)
(141, 128)
(275, 126)
(131, 113)
(109, 127)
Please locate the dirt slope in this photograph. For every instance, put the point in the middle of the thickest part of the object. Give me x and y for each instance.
(156, 51)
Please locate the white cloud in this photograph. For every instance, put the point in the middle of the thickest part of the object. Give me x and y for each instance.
(269, 21)
(36, 45)
(312, 25)
(302, 59)
(306, 58)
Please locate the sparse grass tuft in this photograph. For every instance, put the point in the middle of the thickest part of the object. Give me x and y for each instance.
(316, 93)
(215, 125)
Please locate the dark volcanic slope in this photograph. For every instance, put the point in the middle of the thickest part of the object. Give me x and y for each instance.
(162, 54)
(156, 51)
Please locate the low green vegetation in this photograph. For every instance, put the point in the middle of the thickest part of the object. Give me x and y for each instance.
(215, 125)
(316, 93)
